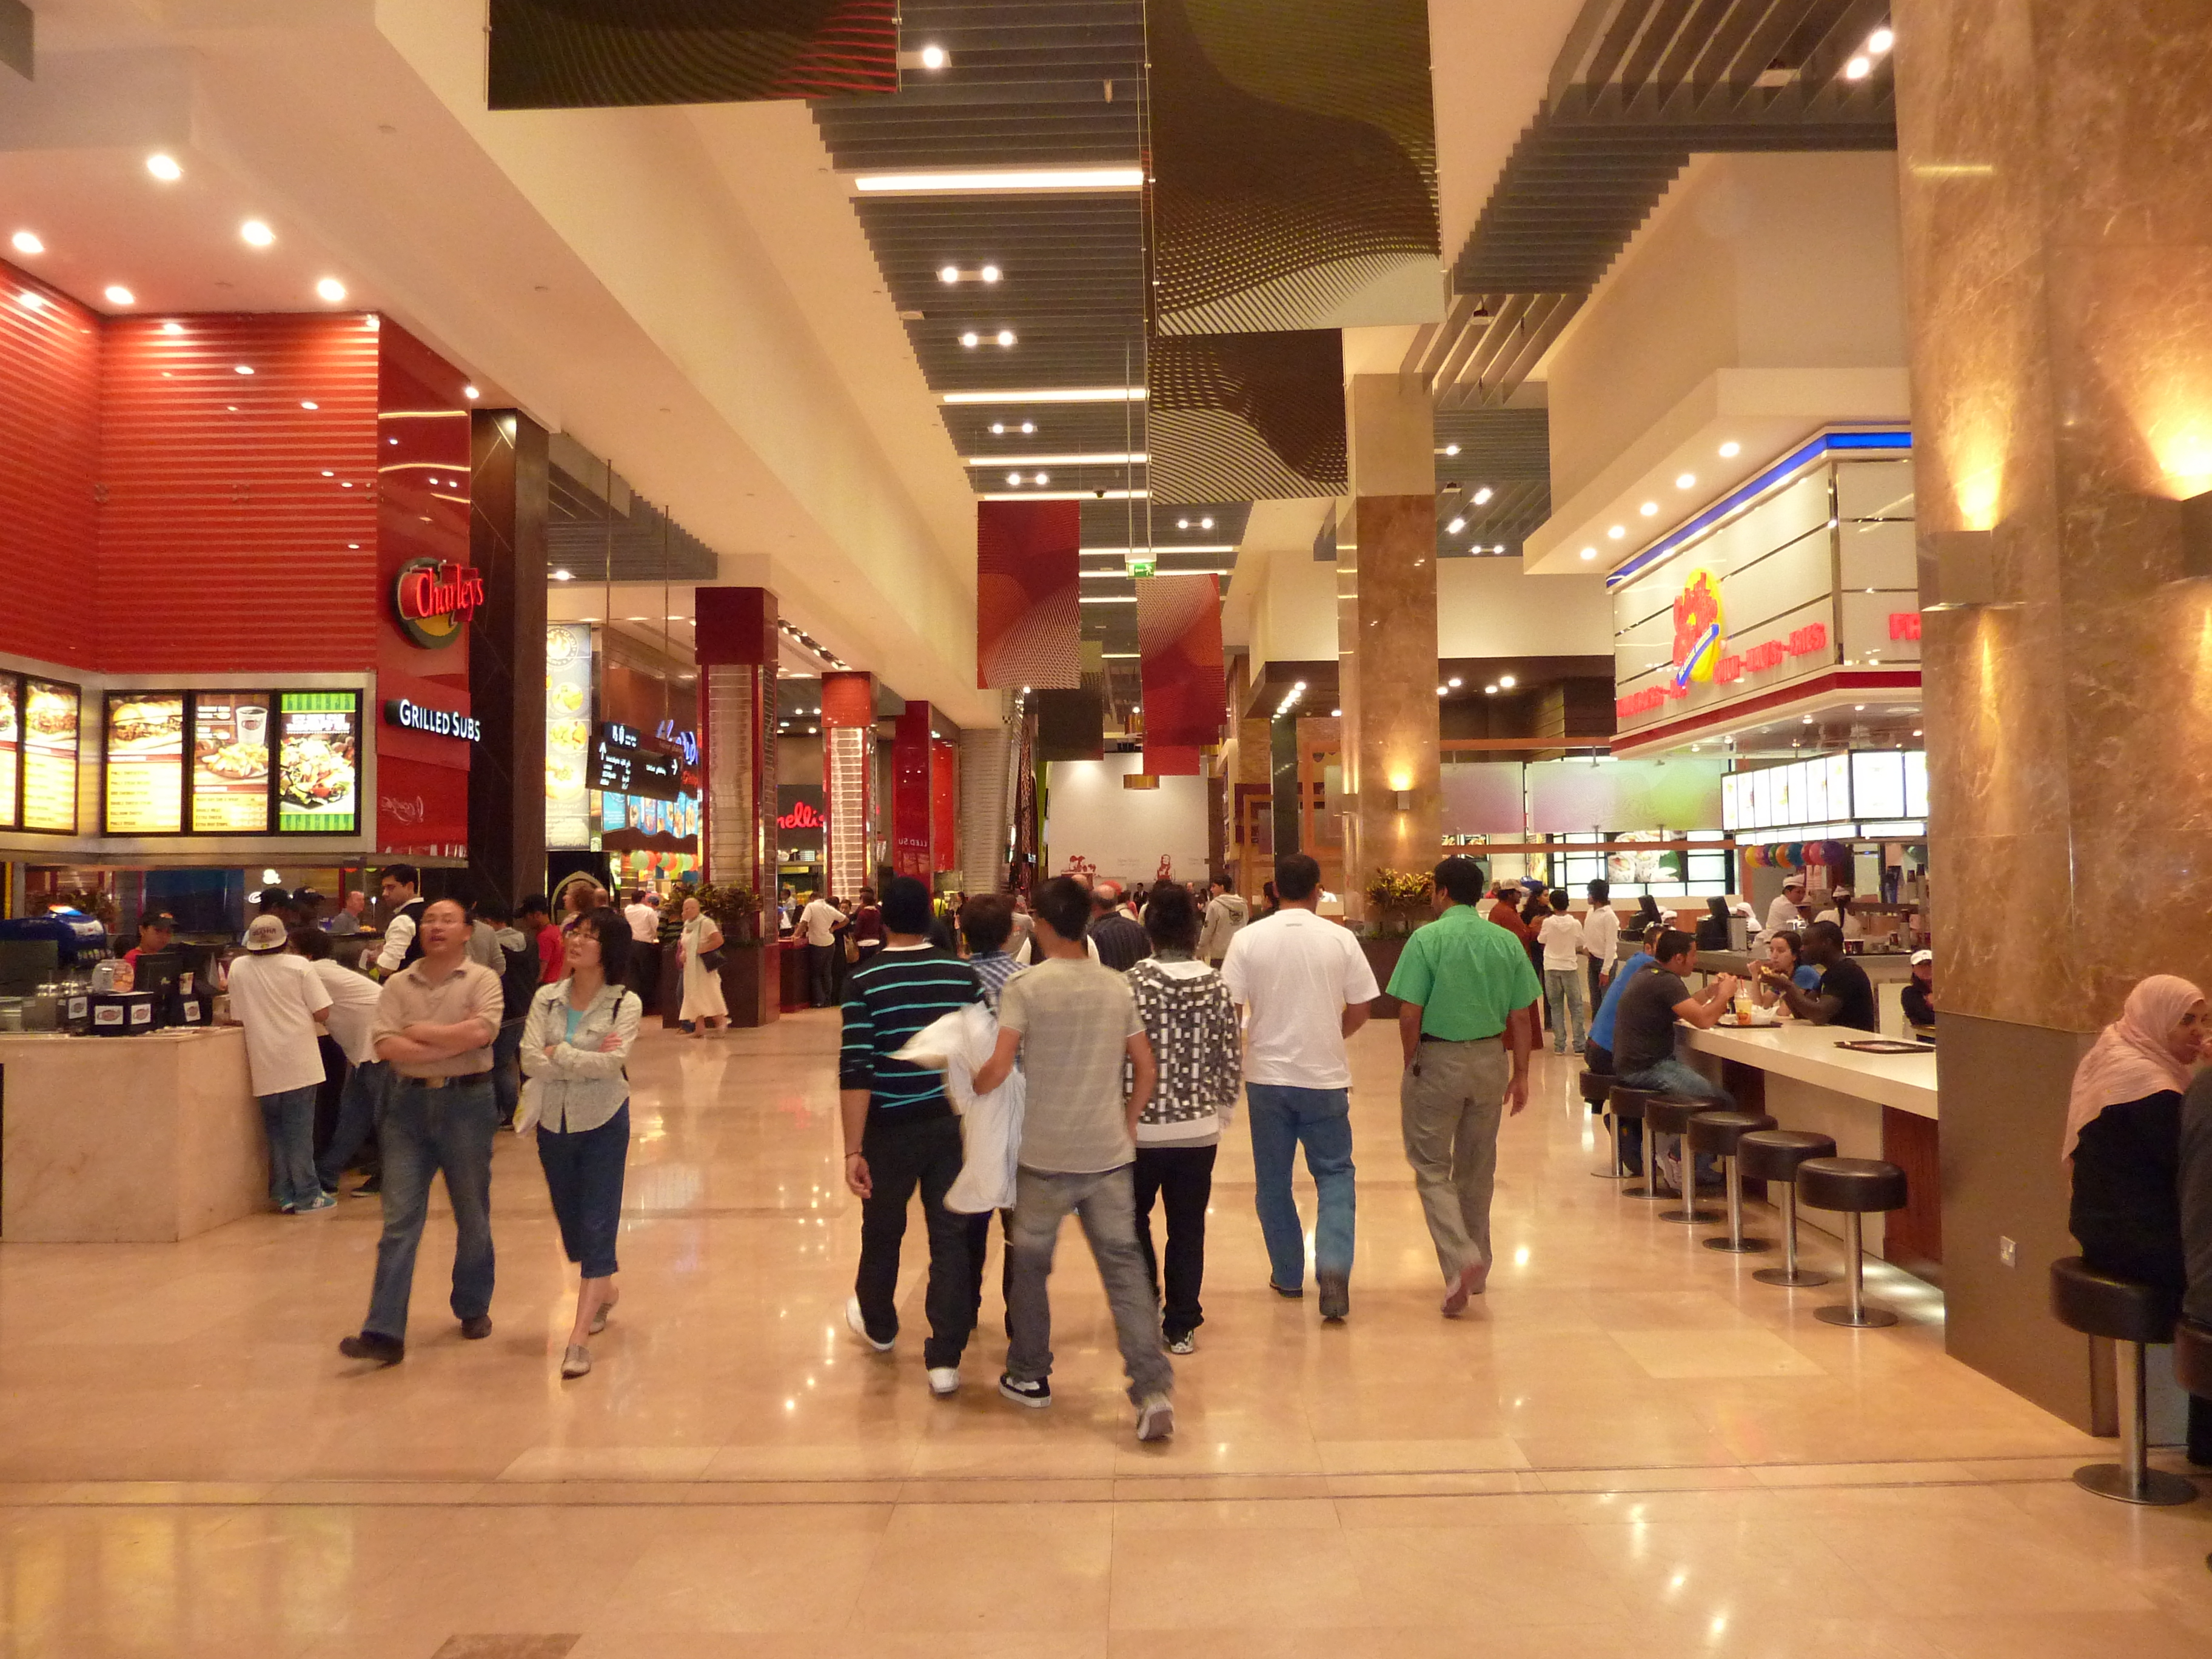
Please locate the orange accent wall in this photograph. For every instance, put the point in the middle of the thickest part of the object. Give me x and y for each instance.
(49, 353)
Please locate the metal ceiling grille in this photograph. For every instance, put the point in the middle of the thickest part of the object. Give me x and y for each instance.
(1640, 86)
(1504, 456)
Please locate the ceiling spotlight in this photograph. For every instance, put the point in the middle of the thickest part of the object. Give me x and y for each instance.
(1453, 683)
(331, 290)
(1806, 720)
(256, 234)
(1858, 708)
(1881, 40)
(1455, 526)
(971, 340)
(998, 428)
(172, 328)
(1182, 524)
(1489, 691)
(1730, 450)
(1685, 481)
(1649, 510)
(1044, 477)
(949, 274)
(308, 403)
(1006, 336)
(989, 273)
(1440, 691)
(164, 167)
(1483, 494)
(1618, 531)
(470, 393)
(1336, 714)
(1590, 553)
(1506, 680)
(1858, 69)
(242, 368)
(1451, 449)
(1014, 478)
(30, 300)
(934, 58)
(27, 242)
(119, 295)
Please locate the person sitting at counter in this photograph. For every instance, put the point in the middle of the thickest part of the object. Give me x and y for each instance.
(1644, 1027)
(1785, 952)
(2123, 1147)
(1598, 1053)
(1846, 996)
(1920, 993)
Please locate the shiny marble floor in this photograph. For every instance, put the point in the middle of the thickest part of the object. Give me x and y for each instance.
(1628, 1446)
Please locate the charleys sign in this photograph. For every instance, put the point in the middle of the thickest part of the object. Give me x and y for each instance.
(435, 599)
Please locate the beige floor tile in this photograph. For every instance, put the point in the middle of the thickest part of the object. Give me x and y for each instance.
(1257, 1578)
(1713, 1353)
(942, 1580)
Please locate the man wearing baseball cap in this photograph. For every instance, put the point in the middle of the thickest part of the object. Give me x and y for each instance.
(282, 1005)
(156, 929)
(1920, 991)
(1785, 910)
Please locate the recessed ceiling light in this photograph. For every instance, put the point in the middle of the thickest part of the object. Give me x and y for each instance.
(1881, 40)
(1483, 494)
(1006, 336)
(27, 242)
(30, 301)
(470, 393)
(1455, 526)
(1336, 714)
(1029, 426)
(1506, 680)
(1206, 523)
(1649, 510)
(1182, 524)
(1489, 691)
(1685, 481)
(998, 428)
(330, 289)
(934, 58)
(164, 167)
(1618, 531)
(1044, 477)
(305, 404)
(990, 273)
(1451, 449)
(117, 294)
(563, 576)
(1440, 691)
(327, 473)
(1014, 478)
(1453, 683)
(257, 233)
(242, 368)
(971, 340)
(1858, 68)
(1590, 553)
(948, 274)
(173, 327)
(1731, 449)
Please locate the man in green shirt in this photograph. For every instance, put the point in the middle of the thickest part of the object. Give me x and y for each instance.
(1469, 998)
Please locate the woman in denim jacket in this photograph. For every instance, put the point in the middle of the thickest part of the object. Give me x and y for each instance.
(575, 1047)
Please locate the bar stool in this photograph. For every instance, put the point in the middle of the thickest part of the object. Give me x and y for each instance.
(1662, 1116)
(1595, 1086)
(1626, 1106)
(1774, 1155)
(1719, 1133)
(1857, 1187)
(2132, 1316)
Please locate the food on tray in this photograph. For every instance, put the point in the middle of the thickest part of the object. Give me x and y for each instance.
(53, 716)
(239, 762)
(317, 772)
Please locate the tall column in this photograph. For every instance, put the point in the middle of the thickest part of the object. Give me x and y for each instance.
(508, 499)
(910, 804)
(1387, 634)
(735, 631)
(2059, 279)
(848, 786)
(988, 757)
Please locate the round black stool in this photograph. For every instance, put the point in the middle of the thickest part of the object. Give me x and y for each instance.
(1595, 1086)
(1774, 1155)
(2132, 1316)
(1664, 1117)
(1626, 1106)
(1719, 1132)
(1857, 1187)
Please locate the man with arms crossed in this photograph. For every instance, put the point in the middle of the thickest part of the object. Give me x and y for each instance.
(1467, 998)
(1304, 985)
(435, 1026)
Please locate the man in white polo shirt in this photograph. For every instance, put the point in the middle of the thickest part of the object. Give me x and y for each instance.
(283, 1006)
(1305, 985)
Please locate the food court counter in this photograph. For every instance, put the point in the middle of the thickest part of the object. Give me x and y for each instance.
(1878, 1106)
(1888, 971)
(134, 1140)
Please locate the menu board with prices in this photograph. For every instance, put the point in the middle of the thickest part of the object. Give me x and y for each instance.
(49, 749)
(144, 776)
(568, 734)
(11, 701)
(230, 764)
(318, 763)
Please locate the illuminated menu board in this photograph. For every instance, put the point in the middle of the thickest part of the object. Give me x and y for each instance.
(230, 764)
(50, 745)
(318, 763)
(12, 699)
(144, 793)
(568, 734)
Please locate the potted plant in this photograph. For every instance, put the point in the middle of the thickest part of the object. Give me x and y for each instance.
(748, 976)
(1398, 902)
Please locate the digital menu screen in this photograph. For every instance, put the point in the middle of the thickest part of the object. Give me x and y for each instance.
(567, 733)
(50, 746)
(230, 764)
(621, 763)
(145, 772)
(11, 694)
(318, 759)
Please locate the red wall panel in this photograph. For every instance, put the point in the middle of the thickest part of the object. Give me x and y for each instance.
(50, 350)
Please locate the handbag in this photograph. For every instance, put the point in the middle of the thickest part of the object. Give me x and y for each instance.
(711, 960)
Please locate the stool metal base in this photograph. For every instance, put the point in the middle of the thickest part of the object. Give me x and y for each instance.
(1691, 1217)
(1869, 1318)
(1740, 1246)
(1802, 1279)
(2160, 1489)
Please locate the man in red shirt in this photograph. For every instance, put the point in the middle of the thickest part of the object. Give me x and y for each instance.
(536, 917)
(1505, 914)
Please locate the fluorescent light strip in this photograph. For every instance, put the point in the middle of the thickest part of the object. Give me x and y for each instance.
(1068, 496)
(1153, 552)
(1107, 599)
(1123, 575)
(1054, 460)
(1089, 394)
(997, 181)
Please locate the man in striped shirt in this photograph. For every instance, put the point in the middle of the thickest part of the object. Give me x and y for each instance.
(900, 1133)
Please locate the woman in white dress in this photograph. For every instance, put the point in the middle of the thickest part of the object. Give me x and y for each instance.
(702, 986)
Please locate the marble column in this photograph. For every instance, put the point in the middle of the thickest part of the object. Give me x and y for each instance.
(849, 781)
(2058, 241)
(507, 504)
(735, 641)
(1387, 634)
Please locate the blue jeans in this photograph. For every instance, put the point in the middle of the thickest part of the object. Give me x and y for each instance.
(357, 1105)
(424, 1131)
(1563, 996)
(1681, 1081)
(289, 1118)
(1284, 1118)
(584, 1175)
(506, 1068)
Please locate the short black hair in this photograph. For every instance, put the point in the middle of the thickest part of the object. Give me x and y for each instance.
(1671, 943)
(312, 943)
(612, 928)
(1297, 875)
(1171, 919)
(1601, 890)
(1460, 879)
(537, 904)
(905, 905)
(1217, 879)
(494, 909)
(1827, 932)
(987, 921)
(1064, 905)
(1559, 898)
(405, 874)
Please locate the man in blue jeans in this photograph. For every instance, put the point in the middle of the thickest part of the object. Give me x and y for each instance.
(1304, 985)
(1643, 1024)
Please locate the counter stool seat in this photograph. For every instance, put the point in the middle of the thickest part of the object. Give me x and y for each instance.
(2132, 1316)
(2193, 1356)
(1664, 1115)
(1774, 1155)
(1857, 1187)
(1719, 1133)
(1595, 1086)
(1628, 1105)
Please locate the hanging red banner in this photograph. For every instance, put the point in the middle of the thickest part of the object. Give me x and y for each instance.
(1029, 626)
(1179, 653)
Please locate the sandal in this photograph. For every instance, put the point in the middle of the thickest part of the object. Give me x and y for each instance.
(575, 1361)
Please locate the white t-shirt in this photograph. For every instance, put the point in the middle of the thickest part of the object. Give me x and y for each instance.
(1601, 936)
(1561, 936)
(820, 919)
(644, 923)
(1781, 913)
(276, 997)
(353, 1006)
(1296, 973)
(1849, 922)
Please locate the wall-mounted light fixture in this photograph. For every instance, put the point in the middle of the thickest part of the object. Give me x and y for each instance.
(1958, 569)
(2196, 535)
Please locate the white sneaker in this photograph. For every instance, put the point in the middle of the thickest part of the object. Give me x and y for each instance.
(944, 1381)
(860, 1326)
(1155, 1417)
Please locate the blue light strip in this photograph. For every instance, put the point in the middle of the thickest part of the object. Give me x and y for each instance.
(1781, 472)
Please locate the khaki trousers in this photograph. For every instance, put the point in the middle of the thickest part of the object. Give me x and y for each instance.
(1450, 1101)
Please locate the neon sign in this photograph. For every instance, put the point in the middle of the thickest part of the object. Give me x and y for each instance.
(435, 599)
(1905, 624)
(1808, 641)
(801, 817)
(1699, 629)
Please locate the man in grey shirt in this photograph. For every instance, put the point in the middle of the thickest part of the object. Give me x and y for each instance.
(1073, 1022)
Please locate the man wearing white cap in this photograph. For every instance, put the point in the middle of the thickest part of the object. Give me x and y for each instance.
(282, 1004)
(1786, 911)
(1919, 991)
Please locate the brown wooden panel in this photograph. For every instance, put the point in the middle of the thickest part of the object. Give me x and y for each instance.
(1913, 1236)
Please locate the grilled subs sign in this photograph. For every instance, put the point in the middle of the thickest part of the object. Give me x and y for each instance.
(435, 599)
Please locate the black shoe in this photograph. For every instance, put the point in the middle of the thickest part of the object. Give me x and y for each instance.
(370, 1188)
(383, 1350)
(1335, 1297)
(478, 1328)
(1297, 1295)
(1032, 1395)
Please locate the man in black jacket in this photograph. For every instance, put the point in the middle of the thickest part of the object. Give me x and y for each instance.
(1121, 942)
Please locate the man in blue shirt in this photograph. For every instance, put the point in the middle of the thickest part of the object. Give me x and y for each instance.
(1598, 1053)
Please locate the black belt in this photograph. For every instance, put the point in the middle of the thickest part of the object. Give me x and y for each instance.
(1427, 1037)
(445, 1082)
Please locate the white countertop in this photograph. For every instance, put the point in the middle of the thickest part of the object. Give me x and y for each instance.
(1808, 1054)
